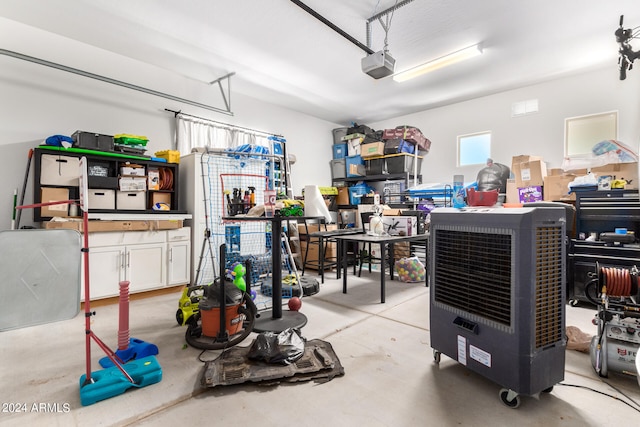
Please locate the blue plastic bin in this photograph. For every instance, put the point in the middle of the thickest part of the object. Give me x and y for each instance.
(356, 192)
(354, 160)
(339, 151)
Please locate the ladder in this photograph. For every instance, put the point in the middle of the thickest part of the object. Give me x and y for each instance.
(282, 178)
(287, 173)
(291, 257)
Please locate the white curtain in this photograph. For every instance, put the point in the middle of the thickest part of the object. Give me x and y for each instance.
(192, 132)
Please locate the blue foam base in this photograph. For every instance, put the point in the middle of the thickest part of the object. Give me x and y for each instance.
(137, 349)
(111, 382)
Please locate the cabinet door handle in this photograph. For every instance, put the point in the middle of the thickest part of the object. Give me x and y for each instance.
(170, 254)
(128, 259)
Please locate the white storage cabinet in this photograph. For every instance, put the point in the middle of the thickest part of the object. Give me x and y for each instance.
(147, 259)
(179, 256)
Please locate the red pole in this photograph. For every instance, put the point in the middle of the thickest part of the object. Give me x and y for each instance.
(123, 328)
(87, 299)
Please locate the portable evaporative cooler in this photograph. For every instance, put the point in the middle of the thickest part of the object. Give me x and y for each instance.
(497, 302)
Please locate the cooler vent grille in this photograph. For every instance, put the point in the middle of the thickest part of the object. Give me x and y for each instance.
(548, 286)
(473, 273)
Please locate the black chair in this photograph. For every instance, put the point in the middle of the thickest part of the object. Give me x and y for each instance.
(364, 255)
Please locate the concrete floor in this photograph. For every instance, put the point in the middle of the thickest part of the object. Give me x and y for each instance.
(390, 376)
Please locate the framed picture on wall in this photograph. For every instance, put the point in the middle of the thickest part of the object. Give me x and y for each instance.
(583, 132)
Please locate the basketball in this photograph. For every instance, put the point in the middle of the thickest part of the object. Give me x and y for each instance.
(295, 303)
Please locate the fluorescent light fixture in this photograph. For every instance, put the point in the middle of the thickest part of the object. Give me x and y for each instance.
(443, 61)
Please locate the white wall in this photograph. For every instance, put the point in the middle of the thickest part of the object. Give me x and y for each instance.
(39, 101)
(541, 133)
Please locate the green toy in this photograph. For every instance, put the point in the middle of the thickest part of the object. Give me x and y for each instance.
(237, 272)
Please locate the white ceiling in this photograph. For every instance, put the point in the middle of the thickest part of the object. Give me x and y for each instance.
(283, 55)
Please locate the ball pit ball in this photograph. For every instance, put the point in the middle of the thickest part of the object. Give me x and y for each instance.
(410, 270)
(295, 303)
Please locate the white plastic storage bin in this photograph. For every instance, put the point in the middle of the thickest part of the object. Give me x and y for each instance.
(131, 200)
(102, 199)
(59, 170)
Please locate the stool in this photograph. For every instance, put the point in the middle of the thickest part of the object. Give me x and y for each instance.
(316, 240)
(364, 255)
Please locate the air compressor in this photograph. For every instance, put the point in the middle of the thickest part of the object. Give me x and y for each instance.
(615, 347)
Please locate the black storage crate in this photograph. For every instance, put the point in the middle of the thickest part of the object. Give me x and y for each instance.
(92, 141)
(101, 174)
(397, 145)
(374, 166)
(402, 163)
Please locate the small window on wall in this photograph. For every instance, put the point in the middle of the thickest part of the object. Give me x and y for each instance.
(474, 148)
(582, 133)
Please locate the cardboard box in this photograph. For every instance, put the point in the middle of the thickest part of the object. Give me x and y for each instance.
(400, 225)
(512, 192)
(313, 255)
(132, 170)
(391, 212)
(401, 250)
(97, 225)
(356, 170)
(160, 198)
(530, 194)
(132, 183)
(523, 158)
(530, 174)
(627, 171)
(556, 188)
(153, 179)
(312, 228)
(372, 149)
(48, 194)
(343, 196)
(410, 134)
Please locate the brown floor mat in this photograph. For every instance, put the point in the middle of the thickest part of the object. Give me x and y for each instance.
(319, 362)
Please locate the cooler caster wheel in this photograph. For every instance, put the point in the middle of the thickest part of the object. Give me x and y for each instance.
(573, 302)
(179, 317)
(436, 356)
(510, 398)
(548, 390)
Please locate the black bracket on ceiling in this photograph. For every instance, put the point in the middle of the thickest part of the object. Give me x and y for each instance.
(128, 85)
(334, 27)
(378, 17)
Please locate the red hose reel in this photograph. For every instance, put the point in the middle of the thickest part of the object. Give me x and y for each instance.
(619, 282)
